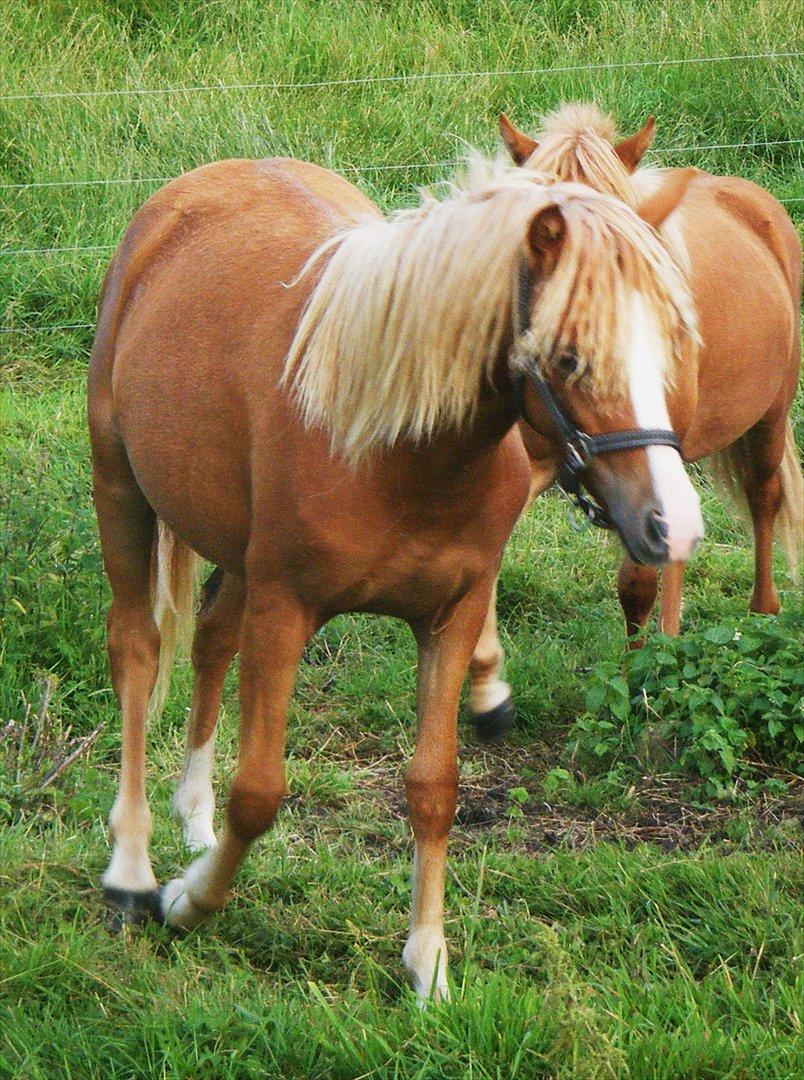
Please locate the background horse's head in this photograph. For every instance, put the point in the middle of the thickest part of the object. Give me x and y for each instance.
(579, 142)
(605, 324)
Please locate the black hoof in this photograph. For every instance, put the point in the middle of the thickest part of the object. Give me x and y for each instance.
(493, 725)
(134, 907)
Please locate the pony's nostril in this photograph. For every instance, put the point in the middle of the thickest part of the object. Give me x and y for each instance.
(655, 526)
(655, 532)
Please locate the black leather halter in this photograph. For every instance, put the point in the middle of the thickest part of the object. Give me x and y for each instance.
(581, 448)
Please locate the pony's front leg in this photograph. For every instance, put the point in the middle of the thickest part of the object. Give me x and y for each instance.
(637, 586)
(490, 703)
(672, 586)
(431, 784)
(273, 634)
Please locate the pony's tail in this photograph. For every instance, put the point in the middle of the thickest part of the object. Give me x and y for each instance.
(790, 520)
(729, 467)
(173, 577)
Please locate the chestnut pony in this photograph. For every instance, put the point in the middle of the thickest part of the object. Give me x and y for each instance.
(744, 257)
(322, 403)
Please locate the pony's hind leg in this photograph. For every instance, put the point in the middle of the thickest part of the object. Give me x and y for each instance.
(490, 703)
(759, 458)
(127, 529)
(274, 632)
(431, 784)
(214, 645)
(637, 586)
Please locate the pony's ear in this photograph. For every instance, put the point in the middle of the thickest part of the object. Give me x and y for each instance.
(631, 150)
(661, 204)
(520, 146)
(545, 238)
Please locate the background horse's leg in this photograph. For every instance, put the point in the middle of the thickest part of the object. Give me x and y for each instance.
(214, 645)
(763, 447)
(672, 585)
(764, 463)
(127, 530)
(637, 586)
(273, 634)
(431, 784)
(490, 703)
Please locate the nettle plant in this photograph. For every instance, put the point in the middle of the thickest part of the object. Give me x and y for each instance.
(714, 705)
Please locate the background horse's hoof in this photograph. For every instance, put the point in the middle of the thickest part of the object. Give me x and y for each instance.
(494, 724)
(133, 906)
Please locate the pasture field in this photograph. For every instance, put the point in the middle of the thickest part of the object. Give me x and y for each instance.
(615, 919)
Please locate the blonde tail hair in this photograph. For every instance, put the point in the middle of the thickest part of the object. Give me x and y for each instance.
(174, 569)
(728, 467)
(790, 521)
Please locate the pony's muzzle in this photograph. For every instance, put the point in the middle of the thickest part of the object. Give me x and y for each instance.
(642, 530)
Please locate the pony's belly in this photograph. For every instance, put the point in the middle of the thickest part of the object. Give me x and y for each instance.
(188, 454)
(736, 390)
(204, 509)
(415, 583)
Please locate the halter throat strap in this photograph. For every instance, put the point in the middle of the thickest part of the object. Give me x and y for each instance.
(581, 447)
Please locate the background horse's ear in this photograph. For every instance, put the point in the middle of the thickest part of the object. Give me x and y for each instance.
(659, 206)
(545, 238)
(520, 146)
(630, 150)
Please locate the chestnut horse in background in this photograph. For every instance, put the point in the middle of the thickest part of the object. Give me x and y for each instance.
(744, 259)
(744, 256)
(323, 404)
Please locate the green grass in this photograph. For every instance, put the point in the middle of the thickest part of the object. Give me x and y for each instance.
(578, 950)
(74, 47)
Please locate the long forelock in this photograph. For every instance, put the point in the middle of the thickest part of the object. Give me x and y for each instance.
(576, 143)
(577, 117)
(584, 305)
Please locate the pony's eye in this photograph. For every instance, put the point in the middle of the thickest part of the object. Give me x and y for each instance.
(568, 363)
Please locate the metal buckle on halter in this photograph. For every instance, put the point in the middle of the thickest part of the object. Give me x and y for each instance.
(578, 453)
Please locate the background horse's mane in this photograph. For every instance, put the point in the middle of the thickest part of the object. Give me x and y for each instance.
(411, 313)
(576, 143)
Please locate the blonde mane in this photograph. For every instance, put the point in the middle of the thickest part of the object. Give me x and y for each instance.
(576, 142)
(410, 314)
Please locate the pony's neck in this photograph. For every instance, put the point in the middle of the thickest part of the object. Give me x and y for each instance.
(457, 458)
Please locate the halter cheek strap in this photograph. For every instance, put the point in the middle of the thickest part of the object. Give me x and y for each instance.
(581, 448)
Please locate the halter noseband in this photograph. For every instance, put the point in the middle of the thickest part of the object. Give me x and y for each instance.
(581, 448)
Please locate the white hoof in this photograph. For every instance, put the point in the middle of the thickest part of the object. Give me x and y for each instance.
(190, 899)
(487, 696)
(177, 907)
(425, 957)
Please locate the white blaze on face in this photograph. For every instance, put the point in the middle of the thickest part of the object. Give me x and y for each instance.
(679, 504)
